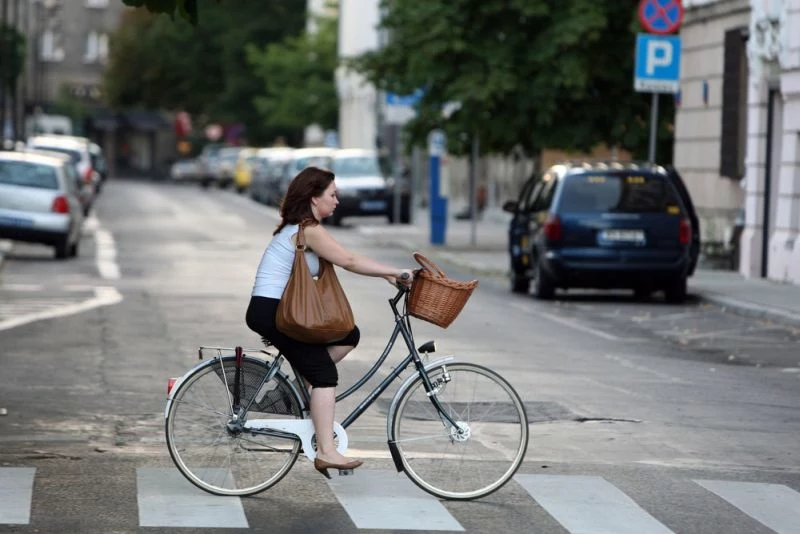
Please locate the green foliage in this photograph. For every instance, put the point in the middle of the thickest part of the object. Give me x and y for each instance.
(534, 73)
(164, 63)
(14, 53)
(297, 78)
(187, 9)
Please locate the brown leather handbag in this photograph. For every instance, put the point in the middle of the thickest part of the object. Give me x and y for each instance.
(313, 311)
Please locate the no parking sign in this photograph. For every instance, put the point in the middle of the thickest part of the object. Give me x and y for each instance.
(661, 16)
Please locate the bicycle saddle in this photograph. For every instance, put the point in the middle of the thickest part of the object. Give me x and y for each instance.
(429, 346)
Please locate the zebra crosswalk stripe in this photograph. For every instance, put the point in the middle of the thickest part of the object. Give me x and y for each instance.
(775, 505)
(167, 499)
(371, 500)
(589, 505)
(16, 493)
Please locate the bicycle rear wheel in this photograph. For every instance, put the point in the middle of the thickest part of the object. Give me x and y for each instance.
(211, 447)
(475, 459)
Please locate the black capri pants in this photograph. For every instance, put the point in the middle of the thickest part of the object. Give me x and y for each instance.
(312, 361)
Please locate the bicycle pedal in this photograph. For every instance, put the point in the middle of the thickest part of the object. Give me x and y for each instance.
(345, 472)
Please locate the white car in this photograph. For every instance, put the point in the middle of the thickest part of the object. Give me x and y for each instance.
(78, 148)
(39, 201)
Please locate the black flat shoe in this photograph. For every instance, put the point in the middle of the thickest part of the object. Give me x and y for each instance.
(344, 469)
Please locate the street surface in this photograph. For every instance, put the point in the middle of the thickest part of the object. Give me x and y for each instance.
(645, 417)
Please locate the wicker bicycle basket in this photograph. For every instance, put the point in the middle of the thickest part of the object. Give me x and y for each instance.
(436, 298)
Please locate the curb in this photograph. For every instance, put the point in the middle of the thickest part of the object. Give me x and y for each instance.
(750, 309)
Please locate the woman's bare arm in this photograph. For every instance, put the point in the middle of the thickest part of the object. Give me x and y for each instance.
(323, 243)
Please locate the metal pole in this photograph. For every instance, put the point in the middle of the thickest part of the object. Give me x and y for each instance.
(397, 172)
(473, 188)
(766, 223)
(653, 128)
(3, 69)
(15, 88)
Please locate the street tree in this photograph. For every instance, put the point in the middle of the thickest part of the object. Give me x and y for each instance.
(297, 77)
(13, 60)
(167, 63)
(529, 73)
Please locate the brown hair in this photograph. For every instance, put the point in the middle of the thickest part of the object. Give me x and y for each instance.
(296, 205)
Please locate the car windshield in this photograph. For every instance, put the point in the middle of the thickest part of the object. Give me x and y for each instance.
(629, 193)
(28, 174)
(74, 155)
(324, 162)
(356, 166)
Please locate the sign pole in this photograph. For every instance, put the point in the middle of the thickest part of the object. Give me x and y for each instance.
(653, 128)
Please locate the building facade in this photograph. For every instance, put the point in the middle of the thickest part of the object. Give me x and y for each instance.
(737, 128)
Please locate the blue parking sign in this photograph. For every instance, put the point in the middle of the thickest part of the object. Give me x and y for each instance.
(658, 63)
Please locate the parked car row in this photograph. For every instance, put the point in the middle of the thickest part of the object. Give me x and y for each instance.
(364, 182)
(47, 187)
(604, 225)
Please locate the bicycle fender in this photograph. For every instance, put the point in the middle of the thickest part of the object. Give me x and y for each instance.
(404, 386)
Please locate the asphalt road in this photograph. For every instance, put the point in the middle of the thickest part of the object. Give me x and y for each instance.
(644, 417)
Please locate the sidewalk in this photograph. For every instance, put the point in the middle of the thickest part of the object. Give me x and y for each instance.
(488, 256)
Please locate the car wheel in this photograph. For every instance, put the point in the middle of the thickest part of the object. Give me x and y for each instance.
(73, 250)
(63, 248)
(675, 293)
(642, 293)
(544, 286)
(520, 283)
(204, 183)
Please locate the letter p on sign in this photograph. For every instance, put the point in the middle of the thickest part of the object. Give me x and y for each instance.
(659, 54)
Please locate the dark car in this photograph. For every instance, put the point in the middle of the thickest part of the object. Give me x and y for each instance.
(604, 225)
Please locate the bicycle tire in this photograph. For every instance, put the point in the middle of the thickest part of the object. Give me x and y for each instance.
(207, 452)
(462, 466)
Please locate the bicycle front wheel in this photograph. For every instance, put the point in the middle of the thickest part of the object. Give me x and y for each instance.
(482, 453)
(212, 446)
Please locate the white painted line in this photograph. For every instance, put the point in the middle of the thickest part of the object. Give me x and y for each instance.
(106, 256)
(380, 499)
(16, 494)
(567, 322)
(774, 505)
(625, 362)
(589, 505)
(23, 287)
(103, 296)
(167, 499)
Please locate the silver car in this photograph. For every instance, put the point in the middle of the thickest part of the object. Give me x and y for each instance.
(39, 201)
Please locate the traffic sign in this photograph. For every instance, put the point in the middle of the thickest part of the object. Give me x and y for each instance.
(437, 143)
(658, 63)
(661, 16)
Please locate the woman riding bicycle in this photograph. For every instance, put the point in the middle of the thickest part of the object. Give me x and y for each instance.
(310, 198)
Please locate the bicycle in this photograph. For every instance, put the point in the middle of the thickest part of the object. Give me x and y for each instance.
(236, 424)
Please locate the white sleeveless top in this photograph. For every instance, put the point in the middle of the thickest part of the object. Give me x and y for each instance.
(276, 264)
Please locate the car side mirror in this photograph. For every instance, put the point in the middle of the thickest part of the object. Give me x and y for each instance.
(510, 206)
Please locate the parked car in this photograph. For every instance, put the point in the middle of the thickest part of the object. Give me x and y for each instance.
(242, 175)
(208, 163)
(603, 225)
(364, 187)
(78, 148)
(39, 201)
(298, 160)
(267, 174)
(228, 156)
(86, 192)
(185, 170)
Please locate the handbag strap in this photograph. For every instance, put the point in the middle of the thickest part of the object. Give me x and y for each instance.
(301, 239)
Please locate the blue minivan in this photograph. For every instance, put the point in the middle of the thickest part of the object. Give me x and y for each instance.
(604, 225)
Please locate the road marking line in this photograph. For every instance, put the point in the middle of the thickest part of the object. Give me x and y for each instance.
(106, 256)
(167, 499)
(624, 362)
(382, 499)
(23, 287)
(568, 322)
(774, 505)
(16, 495)
(103, 296)
(589, 505)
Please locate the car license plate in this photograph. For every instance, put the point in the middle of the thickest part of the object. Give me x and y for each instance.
(373, 205)
(16, 222)
(622, 236)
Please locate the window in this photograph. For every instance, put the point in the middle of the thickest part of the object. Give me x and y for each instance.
(602, 193)
(97, 4)
(96, 47)
(734, 105)
(27, 174)
(51, 49)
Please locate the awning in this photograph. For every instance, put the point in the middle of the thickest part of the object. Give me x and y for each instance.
(104, 120)
(143, 120)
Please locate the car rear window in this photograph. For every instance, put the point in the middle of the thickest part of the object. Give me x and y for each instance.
(74, 155)
(356, 166)
(28, 174)
(625, 193)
